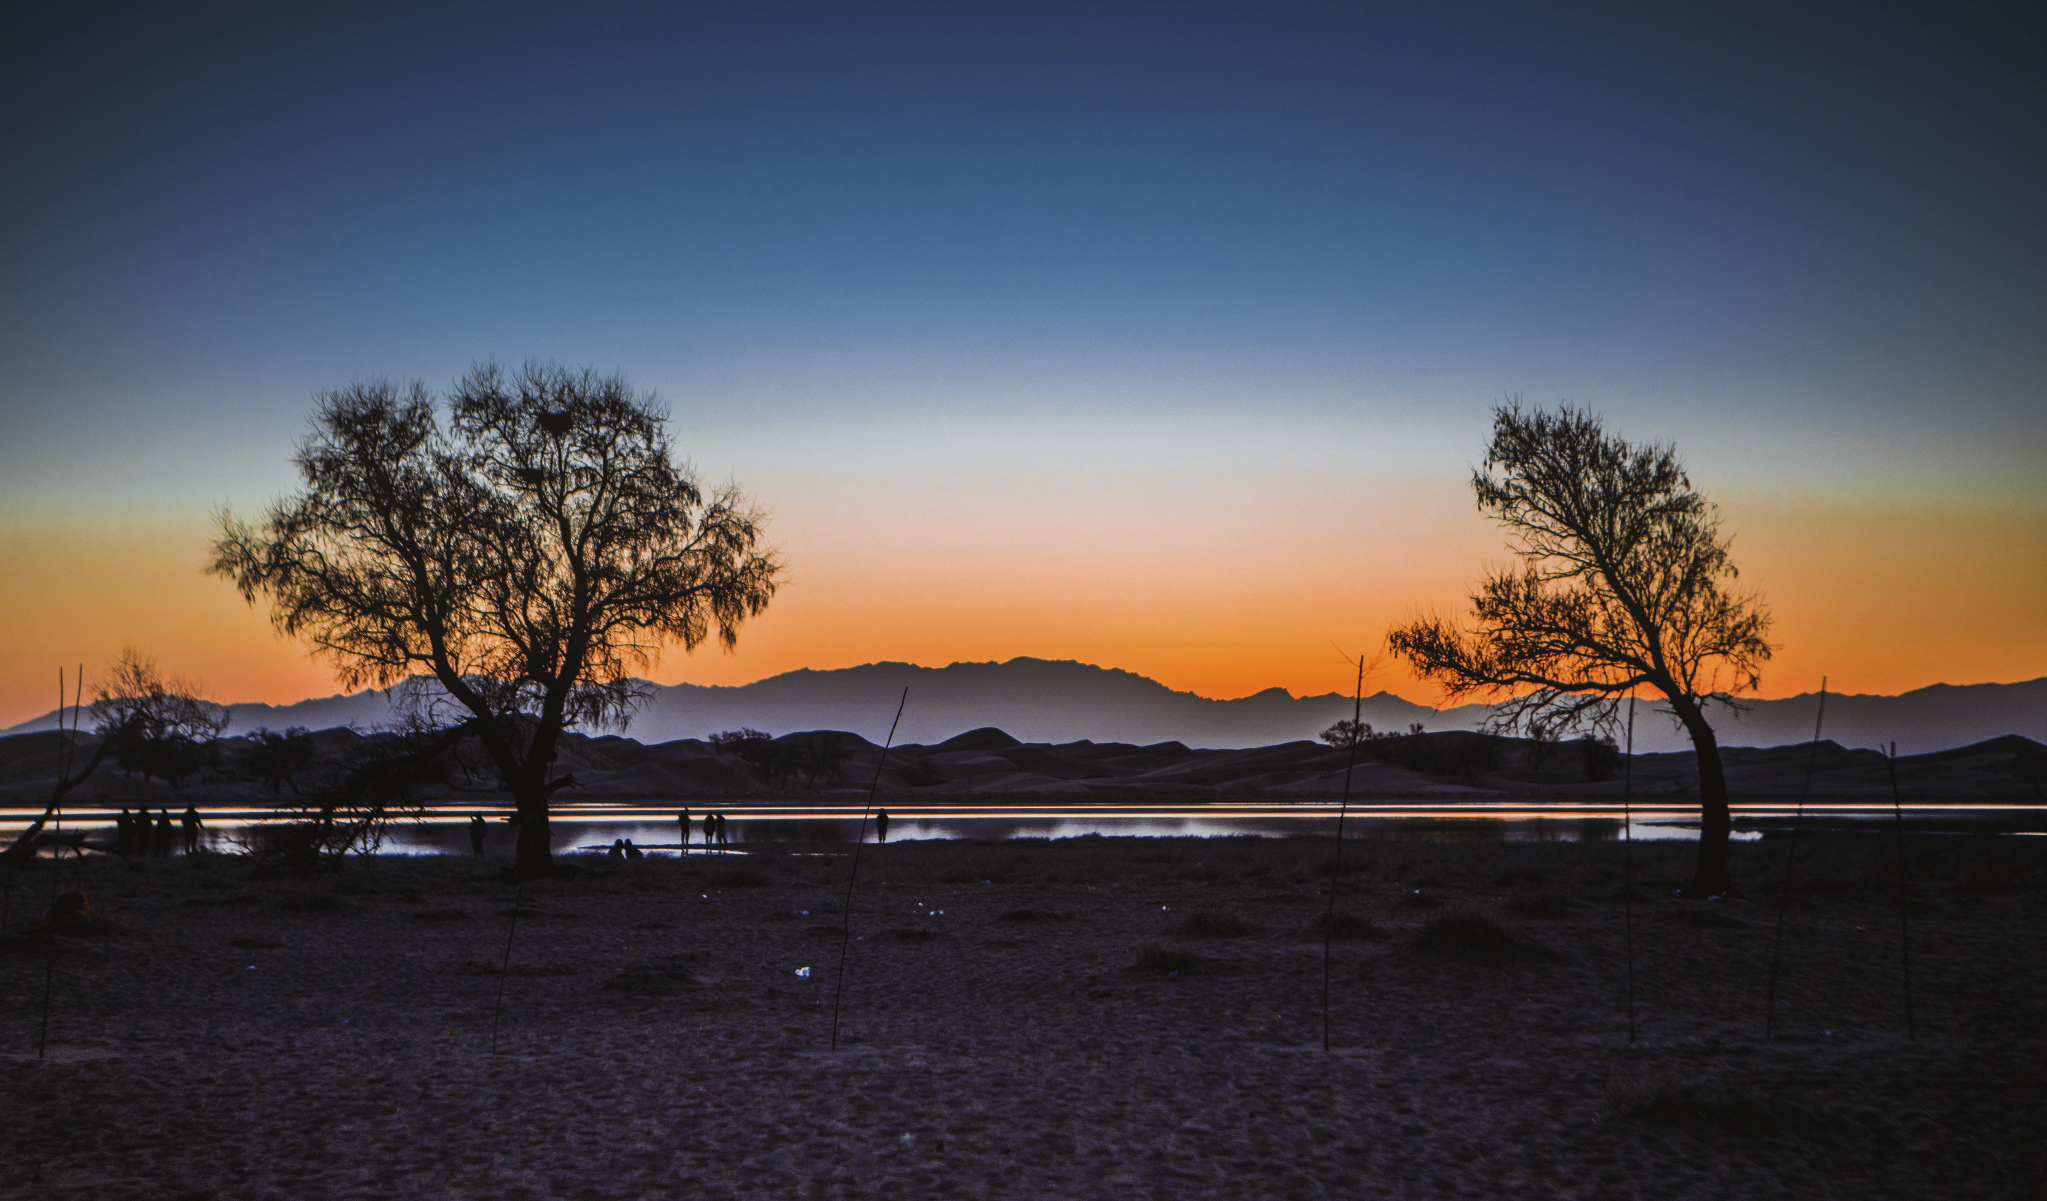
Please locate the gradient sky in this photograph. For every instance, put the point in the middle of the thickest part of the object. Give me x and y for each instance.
(1160, 337)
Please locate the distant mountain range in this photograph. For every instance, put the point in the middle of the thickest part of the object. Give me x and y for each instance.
(1058, 701)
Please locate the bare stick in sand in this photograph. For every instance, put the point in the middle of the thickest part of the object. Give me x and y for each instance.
(1791, 858)
(1628, 865)
(57, 850)
(846, 941)
(1904, 922)
(504, 969)
(1357, 713)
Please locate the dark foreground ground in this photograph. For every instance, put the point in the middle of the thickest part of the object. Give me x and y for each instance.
(254, 1035)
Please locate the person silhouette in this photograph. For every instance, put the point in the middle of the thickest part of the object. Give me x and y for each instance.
(682, 819)
(124, 833)
(477, 829)
(631, 851)
(163, 832)
(618, 848)
(710, 830)
(881, 826)
(721, 830)
(190, 821)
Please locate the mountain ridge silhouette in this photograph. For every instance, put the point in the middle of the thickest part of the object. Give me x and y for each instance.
(1063, 700)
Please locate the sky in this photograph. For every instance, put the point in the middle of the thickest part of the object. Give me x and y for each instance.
(1162, 337)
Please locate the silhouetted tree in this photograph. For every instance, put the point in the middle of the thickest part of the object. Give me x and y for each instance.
(2030, 765)
(157, 725)
(275, 757)
(1347, 732)
(821, 756)
(1625, 583)
(526, 556)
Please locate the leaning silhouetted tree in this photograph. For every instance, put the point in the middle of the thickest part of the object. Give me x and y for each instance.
(525, 558)
(1625, 583)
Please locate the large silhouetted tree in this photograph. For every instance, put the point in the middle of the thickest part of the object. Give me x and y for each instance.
(1624, 584)
(526, 557)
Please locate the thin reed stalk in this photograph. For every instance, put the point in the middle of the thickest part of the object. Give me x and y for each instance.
(1628, 865)
(1790, 860)
(1357, 713)
(846, 940)
(1904, 920)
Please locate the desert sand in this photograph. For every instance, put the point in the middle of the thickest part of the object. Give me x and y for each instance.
(246, 1033)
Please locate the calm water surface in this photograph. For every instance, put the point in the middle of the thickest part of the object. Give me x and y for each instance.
(653, 826)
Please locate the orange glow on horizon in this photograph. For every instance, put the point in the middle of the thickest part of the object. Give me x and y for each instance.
(1223, 605)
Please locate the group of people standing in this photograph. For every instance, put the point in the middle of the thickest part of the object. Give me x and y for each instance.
(714, 830)
(138, 834)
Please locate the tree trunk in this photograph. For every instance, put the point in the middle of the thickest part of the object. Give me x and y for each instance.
(1710, 878)
(535, 853)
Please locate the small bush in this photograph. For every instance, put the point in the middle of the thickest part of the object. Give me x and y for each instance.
(1213, 923)
(744, 876)
(1667, 1099)
(1539, 906)
(1344, 925)
(1031, 915)
(1166, 961)
(1467, 935)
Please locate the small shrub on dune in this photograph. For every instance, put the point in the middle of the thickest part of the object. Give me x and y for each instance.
(1166, 961)
(1213, 923)
(1467, 935)
(1344, 925)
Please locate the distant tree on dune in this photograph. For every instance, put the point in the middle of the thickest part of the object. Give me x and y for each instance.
(1625, 583)
(525, 556)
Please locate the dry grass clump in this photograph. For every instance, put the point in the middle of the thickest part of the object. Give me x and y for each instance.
(1031, 915)
(1539, 905)
(1668, 1099)
(744, 876)
(1466, 935)
(1345, 925)
(1708, 918)
(655, 980)
(1213, 923)
(1167, 961)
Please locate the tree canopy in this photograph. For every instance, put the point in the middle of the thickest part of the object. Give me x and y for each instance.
(1625, 583)
(526, 554)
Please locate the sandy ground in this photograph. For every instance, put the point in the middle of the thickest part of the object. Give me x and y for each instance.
(257, 1035)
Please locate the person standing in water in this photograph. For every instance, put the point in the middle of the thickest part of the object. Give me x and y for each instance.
(710, 830)
(190, 820)
(881, 826)
(164, 836)
(682, 819)
(124, 833)
(477, 829)
(722, 839)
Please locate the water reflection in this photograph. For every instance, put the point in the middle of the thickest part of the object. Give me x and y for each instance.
(652, 825)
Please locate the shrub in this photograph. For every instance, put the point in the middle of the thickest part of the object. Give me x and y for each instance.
(1344, 925)
(1539, 906)
(1213, 923)
(1467, 935)
(1031, 915)
(1166, 961)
